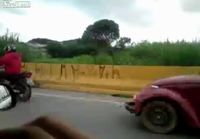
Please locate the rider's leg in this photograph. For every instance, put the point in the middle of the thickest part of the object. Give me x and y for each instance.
(2, 72)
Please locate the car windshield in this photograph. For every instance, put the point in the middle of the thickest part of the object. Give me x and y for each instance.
(87, 62)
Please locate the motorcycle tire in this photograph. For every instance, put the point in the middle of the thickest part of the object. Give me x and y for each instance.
(26, 96)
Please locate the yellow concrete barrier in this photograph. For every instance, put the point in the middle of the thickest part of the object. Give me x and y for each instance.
(126, 80)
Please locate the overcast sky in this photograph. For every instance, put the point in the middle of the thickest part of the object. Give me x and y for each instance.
(153, 20)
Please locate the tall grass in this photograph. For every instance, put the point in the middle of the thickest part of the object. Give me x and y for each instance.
(168, 54)
(103, 59)
(28, 53)
(7, 39)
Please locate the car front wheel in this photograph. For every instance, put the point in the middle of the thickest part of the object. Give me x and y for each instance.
(159, 117)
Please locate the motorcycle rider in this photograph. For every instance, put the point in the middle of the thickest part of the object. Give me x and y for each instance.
(10, 61)
(11, 75)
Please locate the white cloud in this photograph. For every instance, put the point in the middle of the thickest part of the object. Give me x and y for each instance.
(126, 10)
(169, 22)
(58, 23)
(152, 20)
(190, 5)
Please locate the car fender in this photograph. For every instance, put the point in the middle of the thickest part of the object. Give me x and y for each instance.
(156, 93)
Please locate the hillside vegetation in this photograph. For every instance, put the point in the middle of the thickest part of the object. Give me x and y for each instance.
(101, 44)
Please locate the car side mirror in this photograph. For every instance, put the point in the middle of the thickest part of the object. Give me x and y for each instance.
(7, 98)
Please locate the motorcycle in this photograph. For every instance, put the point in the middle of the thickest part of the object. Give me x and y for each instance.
(21, 85)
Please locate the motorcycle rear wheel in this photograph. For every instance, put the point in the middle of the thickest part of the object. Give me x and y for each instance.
(26, 96)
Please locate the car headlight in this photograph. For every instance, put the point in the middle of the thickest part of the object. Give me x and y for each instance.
(155, 86)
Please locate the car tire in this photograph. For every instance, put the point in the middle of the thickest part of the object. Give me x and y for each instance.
(159, 117)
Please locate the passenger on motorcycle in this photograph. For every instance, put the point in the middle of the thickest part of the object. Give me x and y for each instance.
(10, 62)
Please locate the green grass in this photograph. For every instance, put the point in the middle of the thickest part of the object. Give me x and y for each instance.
(167, 54)
(84, 59)
(144, 53)
(148, 54)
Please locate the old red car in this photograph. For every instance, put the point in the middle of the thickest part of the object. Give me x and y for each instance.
(165, 103)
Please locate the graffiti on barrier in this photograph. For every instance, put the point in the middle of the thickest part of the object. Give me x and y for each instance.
(63, 71)
(115, 73)
(106, 74)
(75, 71)
(101, 71)
(37, 69)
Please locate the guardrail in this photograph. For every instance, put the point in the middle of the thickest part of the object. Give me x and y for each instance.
(126, 80)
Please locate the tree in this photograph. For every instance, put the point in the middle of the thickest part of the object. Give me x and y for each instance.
(54, 49)
(58, 50)
(123, 42)
(42, 41)
(105, 31)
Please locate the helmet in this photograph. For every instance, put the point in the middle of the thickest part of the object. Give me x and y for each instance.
(10, 48)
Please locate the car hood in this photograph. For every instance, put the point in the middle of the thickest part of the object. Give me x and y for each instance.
(184, 79)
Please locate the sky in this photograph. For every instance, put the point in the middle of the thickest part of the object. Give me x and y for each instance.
(152, 20)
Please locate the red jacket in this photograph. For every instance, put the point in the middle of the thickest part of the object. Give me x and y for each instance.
(11, 62)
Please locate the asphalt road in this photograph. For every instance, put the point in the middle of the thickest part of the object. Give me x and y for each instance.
(104, 117)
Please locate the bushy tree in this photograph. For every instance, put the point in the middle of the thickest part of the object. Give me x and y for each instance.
(123, 42)
(103, 31)
(54, 49)
(58, 50)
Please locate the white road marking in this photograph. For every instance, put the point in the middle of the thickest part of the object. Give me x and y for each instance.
(79, 98)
